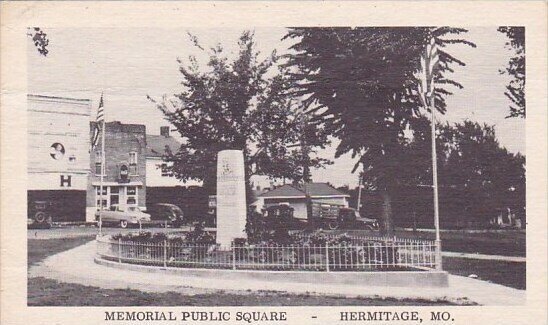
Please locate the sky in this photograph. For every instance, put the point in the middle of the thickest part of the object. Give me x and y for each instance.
(126, 65)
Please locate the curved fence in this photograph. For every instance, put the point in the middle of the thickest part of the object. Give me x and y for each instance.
(362, 254)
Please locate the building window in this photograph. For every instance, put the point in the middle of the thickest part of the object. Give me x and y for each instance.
(131, 195)
(98, 156)
(98, 168)
(133, 163)
(114, 195)
(98, 190)
(99, 204)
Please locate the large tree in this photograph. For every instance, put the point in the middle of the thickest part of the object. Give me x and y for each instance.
(515, 90)
(241, 103)
(360, 83)
(484, 176)
(478, 177)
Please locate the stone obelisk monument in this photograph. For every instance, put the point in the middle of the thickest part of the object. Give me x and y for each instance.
(231, 198)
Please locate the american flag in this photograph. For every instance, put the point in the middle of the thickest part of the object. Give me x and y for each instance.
(99, 121)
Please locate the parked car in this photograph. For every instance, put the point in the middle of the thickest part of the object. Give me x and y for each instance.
(282, 215)
(166, 212)
(39, 214)
(351, 218)
(336, 216)
(122, 216)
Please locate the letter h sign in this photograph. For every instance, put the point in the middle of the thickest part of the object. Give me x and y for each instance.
(66, 180)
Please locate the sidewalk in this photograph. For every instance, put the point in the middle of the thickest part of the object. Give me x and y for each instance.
(518, 259)
(77, 266)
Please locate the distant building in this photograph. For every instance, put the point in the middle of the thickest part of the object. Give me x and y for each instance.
(58, 156)
(295, 196)
(158, 174)
(125, 176)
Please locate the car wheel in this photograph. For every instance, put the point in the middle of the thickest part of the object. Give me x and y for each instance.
(123, 223)
(40, 217)
(333, 225)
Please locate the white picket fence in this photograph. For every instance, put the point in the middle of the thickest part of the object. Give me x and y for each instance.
(362, 254)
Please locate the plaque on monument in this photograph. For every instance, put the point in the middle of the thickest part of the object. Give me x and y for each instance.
(231, 198)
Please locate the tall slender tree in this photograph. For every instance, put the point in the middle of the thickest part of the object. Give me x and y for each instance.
(360, 83)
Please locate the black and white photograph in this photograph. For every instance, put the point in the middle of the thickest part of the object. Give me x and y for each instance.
(300, 155)
(317, 165)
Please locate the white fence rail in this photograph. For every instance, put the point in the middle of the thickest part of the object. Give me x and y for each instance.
(363, 254)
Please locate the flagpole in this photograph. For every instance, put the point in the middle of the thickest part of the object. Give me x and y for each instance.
(427, 91)
(435, 185)
(103, 160)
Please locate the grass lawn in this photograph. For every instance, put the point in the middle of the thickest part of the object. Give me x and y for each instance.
(507, 243)
(47, 292)
(510, 243)
(39, 249)
(510, 274)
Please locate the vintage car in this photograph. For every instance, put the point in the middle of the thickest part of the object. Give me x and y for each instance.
(350, 218)
(339, 217)
(122, 215)
(166, 212)
(39, 214)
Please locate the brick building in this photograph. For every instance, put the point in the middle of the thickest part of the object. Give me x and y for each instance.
(124, 181)
(58, 157)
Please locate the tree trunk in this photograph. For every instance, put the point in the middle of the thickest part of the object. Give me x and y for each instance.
(387, 222)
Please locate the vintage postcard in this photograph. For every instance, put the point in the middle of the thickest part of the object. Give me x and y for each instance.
(273, 162)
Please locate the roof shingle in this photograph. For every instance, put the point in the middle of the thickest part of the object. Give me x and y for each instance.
(314, 190)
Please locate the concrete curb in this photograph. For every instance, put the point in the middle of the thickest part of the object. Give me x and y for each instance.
(431, 279)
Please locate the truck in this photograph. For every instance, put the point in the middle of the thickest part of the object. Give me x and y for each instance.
(334, 216)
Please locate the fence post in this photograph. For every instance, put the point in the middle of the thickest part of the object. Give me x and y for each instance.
(119, 250)
(165, 253)
(327, 257)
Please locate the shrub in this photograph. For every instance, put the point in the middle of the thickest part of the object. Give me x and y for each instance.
(199, 236)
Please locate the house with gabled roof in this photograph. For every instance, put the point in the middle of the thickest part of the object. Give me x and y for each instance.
(295, 196)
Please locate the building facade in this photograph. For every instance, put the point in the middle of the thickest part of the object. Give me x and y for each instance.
(163, 186)
(58, 161)
(295, 196)
(124, 181)
(158, 173)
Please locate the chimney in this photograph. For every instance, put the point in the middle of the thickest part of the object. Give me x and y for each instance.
(164, 131)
